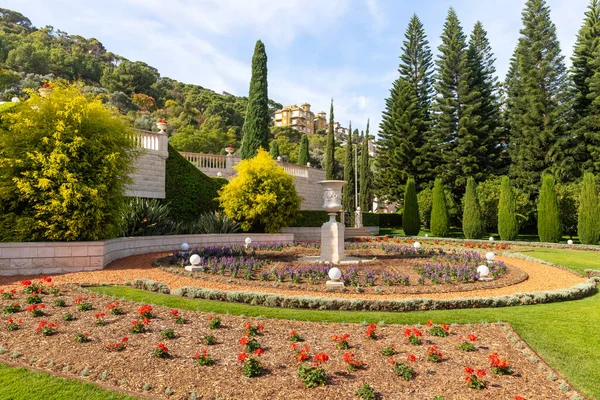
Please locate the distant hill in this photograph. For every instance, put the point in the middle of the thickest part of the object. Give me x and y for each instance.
(204, 121)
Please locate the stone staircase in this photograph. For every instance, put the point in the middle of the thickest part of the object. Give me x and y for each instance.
(357, 232)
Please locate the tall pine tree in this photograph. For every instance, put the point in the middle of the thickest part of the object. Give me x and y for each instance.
(458, 131)
(330, 148)
(485, 83)
(348, 192)
(303, 157)
(585, 73)
(537, 102)
(256, 125)
(403, 146)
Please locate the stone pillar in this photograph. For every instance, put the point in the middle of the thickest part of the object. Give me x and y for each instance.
(358, 218)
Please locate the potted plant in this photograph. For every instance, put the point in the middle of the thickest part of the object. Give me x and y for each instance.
(161, 124)
(46, 89)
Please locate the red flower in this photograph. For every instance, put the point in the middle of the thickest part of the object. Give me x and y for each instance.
(520, 398)
(10, 320)
(244, 341)
(47, 279)
(174, 312)
(321, 357)
(293, 346)
(468, 370)
(99, 315)
(392, 361)
(26, 283)
(243, 357)
(124, 340)
(259, 351)
(412, 357)
(445, 327)
(472, 337)
(429, 322)
(480, 373)
(348, 357)
(162, 121)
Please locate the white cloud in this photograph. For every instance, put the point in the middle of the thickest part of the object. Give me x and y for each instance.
(377, 13)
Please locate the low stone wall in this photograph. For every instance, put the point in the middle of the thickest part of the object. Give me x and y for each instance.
(313, 234)
(62, 257)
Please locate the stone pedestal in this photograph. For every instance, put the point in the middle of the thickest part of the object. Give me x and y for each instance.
(334, 284)
(332, 241)
(194, 268)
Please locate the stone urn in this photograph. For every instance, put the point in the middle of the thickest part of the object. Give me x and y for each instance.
(161, 125)
(229, 150)
(332, 232)
(45, 91)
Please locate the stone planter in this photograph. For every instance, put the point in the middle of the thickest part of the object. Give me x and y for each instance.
(332, 195)
(45, 92)
(162, 126)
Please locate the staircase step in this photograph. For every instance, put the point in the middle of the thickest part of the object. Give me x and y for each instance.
(357, 232)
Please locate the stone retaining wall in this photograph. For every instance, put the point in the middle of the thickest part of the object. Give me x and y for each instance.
(313, 234)
(62, 257)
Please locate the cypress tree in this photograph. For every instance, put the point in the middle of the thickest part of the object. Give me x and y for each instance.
(472, 222)
(256, 124)
(458, 132)
(440, 223)
(537, 103)
(330, 148)
(274, 149)
(549, 225)
(588, 225)
(411, 220)
(365, 194)
(585, 73)
(508, 228)
(303, 157)
(348, 192)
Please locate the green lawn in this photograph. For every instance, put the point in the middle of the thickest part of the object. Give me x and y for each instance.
(20, 383)
(576, 260)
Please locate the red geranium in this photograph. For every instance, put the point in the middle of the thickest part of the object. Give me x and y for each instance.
(26, 283)
(243, 357)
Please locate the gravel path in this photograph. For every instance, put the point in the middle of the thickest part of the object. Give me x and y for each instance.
(541, 277)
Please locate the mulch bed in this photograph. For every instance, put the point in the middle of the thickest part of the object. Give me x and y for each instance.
(135, 367)
(378, 262)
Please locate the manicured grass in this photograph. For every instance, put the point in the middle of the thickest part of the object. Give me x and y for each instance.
(576, 260)
(564, 334)
(20, 383)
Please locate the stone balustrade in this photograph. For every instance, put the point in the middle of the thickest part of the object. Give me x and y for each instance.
(150, 167)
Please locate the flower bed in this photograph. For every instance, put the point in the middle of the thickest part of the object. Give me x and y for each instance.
(186, 364)
(393, 268)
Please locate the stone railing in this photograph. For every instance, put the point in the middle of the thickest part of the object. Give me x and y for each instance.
(295, 170)
(206, 161)
(152, 141)
(148, 177)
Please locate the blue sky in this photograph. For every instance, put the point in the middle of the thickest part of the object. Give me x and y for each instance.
(317, 50)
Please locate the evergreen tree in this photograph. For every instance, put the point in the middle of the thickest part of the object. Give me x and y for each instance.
(411, 220)
(274, 150)
(303, 157)
(330, 148)
(588, 225)
(458, 131)
(440, 223)
(399, 141)
(585, 73)
(485, 83)
(549, 225)
(348, 192)
(472, 221)
(256, 125)
(537, 103)
(365, 191)
(508, 228)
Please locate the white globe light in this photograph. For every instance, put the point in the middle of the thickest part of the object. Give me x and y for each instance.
(490, 255)
(335, 274)
(426, 235)
(483, 271)
(416, 245)
(569, 242)
(248, 240)
(491, 238)
(185, 247)
(195, 259)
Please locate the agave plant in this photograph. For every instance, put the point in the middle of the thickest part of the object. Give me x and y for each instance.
(148, 217)
(212, 222)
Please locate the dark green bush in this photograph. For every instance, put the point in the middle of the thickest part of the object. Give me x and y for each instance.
(440, 223)
(411, 221)
(148, 217)
(189, 192)
(588, 226)
(310, 218)
(211, 222)
(390, 219)
(549, 224)
(472, 223)
(508, 227)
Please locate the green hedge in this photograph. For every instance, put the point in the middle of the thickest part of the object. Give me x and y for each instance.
(189, 191)
(310, 218)
(370, 219)
(390, 219)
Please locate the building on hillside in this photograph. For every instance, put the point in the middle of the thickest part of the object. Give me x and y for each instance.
(341, 133)
(300, 118)
(372, 145)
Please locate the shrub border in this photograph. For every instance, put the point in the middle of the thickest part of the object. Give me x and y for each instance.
(588, 247)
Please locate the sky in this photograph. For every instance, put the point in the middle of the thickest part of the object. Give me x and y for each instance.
(317, 49)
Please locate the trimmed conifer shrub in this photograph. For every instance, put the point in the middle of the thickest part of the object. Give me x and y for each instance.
(274, 149)
(411, 221)
(472, 222)
(588, 225)
(549, 226)
(440, 223)
(508, 227)
(303, 151)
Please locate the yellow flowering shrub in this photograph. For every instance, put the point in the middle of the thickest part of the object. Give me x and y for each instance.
(262, 196)
(64, 163)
